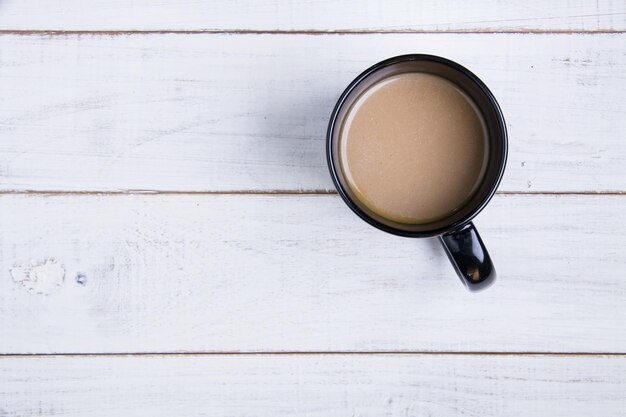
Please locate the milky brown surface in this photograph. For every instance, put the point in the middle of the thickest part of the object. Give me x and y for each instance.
(413, 148)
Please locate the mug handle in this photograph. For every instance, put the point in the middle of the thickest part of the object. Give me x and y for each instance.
(469, 257)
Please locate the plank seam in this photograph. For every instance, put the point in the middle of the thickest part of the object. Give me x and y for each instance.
(322, 353)
(268, 192)
(314, 32)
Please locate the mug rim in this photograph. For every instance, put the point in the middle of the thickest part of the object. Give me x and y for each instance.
(488, 195)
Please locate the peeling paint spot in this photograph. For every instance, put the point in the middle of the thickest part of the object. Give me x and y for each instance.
(43, 278)
(523, 163)
(529, 184)
(81, 278)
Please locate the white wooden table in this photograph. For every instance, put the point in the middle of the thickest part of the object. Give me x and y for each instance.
(171, 243)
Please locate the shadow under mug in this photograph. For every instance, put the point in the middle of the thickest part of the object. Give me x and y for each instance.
(458, 235)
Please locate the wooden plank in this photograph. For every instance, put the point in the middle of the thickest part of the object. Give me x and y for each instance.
(313, 385)
(221, 273)
(457, 15)
(223, 113)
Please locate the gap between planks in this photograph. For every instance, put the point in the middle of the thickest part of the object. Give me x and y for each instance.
(43, 32)
(269, 192)
(320, 353)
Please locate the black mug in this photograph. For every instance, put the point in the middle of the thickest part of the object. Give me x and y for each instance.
(458, 235)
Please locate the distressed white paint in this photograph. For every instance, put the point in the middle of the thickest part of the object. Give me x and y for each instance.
(192, 273)
(223, 273)
(41, 278)
(313, 386)
(249, 112)
(428, 15)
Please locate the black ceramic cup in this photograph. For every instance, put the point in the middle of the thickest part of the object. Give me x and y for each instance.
(458, 235)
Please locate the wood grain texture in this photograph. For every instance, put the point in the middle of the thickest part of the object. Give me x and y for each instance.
(326, 15)
(228, 273)
(313, 385)
(249, 112)
(109, 108)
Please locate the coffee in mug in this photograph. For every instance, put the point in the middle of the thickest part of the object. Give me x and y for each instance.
(413, 147)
